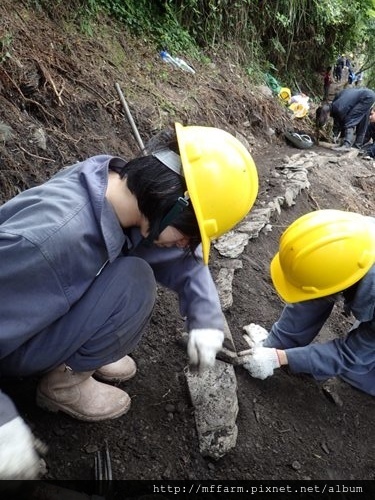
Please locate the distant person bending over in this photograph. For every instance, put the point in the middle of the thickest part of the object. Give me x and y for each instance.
(350, 111)
(80, 257)
(323, 256)
(341, 62)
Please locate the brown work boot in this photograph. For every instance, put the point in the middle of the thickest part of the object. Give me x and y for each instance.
(119, 371)
(81, 396)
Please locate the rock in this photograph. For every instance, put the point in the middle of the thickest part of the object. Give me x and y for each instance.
(232, 264)
(255, 221)
(214, 396)
(6, 133)
(296, 465)
(224, 287)
(91, 448)
(39, 138)
(325, 448)
(331, 389)
(170, 408)
(231, 244)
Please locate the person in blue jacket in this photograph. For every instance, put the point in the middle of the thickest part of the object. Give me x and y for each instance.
(80, 258)
(350, 111)
(324, 257)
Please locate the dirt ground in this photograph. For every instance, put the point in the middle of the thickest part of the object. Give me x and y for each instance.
(57, 106)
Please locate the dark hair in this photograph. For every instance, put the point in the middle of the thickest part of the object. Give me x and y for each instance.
(157, 188)
(322, 114)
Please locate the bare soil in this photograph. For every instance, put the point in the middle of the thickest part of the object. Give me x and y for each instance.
(58, 85)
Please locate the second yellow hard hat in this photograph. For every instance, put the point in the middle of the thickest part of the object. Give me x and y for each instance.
(322, 253)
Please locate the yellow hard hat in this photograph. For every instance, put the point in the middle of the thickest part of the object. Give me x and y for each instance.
(221, 178)
(285, 94)
(299, 109)
(322, 253)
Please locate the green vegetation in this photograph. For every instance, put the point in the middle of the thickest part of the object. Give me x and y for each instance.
(292, 39)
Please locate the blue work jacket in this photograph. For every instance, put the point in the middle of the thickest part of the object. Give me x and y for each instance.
(54, 240)
(350, 106)
(351, 356)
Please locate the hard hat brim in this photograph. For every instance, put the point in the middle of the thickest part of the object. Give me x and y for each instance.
(286, 290)
(206, 242)
(292, 294)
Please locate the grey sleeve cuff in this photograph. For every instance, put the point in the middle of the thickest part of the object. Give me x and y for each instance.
(7, 409)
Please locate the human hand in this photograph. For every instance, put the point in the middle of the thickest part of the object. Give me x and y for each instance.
(18, 458)
(203, 345)
(255, 334)
(262, 362)
(336, 134)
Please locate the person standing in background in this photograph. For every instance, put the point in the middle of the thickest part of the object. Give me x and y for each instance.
(327, 81)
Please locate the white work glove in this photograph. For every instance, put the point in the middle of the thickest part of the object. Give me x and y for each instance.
(336, 137)
(255, 334)
(18, 458)
(262, 362)
(203, 345)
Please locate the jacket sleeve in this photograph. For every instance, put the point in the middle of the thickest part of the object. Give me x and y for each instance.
(354, 354)
(191, 280)
(31, 296)
(299, 323)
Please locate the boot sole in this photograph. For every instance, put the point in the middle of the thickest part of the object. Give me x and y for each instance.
(48, 404)
(104, 378)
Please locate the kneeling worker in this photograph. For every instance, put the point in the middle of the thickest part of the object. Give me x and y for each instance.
(80, 257)
(323, 256)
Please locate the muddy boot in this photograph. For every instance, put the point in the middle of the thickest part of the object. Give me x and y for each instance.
(79, 395)
(119, 371)
(348, 140)
(359, 142)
